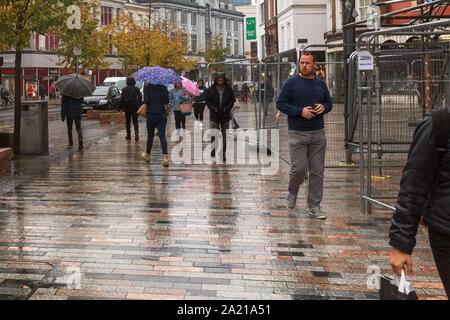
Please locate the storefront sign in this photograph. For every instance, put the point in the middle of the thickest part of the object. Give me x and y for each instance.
(251, 28)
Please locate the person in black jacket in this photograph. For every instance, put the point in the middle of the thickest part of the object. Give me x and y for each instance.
(199, 102)
(130, 101)
(156, 97)
(220, 100)
(71, 111)
(424, 193)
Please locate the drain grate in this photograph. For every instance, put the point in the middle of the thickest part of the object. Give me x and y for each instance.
(10, 183)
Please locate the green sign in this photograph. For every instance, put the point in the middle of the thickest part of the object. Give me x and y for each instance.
(251, 28)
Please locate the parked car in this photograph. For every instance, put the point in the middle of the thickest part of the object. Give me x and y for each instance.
(121, 82)
(103, 98)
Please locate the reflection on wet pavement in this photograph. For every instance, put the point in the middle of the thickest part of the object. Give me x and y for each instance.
(104, 224)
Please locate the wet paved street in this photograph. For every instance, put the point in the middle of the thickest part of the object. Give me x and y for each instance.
(139, 231)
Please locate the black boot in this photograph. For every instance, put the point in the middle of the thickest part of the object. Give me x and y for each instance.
(136, 136)
(80, 145)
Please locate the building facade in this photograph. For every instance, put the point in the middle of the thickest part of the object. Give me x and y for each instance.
(248, 8)
(301, 23)
(201, 19)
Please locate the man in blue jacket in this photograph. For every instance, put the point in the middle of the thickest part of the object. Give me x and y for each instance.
(305, 99)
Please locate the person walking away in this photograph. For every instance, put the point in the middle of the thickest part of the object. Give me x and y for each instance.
(244, 93)
(130, 101)
(220, 101)
(304, 98)
(156, 97)
(3, 95)
(176, 97)
(42, 91)
(199, 102)
(71, 112)
(425, 195)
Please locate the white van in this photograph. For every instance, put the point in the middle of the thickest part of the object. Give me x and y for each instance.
(120, 83)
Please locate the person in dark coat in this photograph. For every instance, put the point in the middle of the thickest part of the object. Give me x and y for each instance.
(220, 100)
(199, 102)
(130, 101)
(42, 92)
(424, 193)
(71, 110)
(156, 97)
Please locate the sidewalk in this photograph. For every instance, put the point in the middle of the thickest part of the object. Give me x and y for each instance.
(139, 231)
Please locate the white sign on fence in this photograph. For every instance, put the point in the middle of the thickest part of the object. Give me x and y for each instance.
(365, 61)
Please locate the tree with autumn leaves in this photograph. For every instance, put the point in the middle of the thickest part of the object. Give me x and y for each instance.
(161, 44)
(19, 21)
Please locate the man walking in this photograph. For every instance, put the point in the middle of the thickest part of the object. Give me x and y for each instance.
(130, 101)
(220, 100)
(71, 110)
(305, 99)
(425, 193)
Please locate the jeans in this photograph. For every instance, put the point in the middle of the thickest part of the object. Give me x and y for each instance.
(199, 108)
(222, 126)
(70, 122)
(128, 116)
(180, 120)
(307, 152)
(440, 245)
(156, 121)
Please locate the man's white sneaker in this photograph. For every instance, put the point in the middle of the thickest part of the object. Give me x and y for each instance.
(317, 213)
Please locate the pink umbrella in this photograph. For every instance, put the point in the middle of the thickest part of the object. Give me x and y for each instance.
(190, 86)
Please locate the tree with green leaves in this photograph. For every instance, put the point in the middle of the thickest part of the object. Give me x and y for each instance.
(92, 39)
(19, 21)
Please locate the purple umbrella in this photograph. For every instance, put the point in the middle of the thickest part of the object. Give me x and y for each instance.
(156, 75)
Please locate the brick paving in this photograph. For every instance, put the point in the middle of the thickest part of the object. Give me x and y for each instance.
(139, 231)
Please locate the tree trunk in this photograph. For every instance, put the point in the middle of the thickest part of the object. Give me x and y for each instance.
(17, 100)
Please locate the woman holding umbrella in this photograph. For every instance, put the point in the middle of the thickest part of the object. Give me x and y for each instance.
(156, 97)
(177, 96)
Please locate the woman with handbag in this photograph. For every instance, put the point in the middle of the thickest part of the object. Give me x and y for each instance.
(178, 96)
(156, 97)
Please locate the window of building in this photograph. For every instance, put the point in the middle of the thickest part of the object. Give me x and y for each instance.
(194, 18)
(110, 48)
(51, 42)
(184, 17)
(262, 12)
(228, 45)
(194, 43)
(243, 2)
(173, 16)
(220, 23)
(228, 24)
(106, 15)
(236, 26)
(289, 37)
(236, 47)
(363, 8)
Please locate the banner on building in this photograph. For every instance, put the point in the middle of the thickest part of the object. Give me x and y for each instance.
(251, 28)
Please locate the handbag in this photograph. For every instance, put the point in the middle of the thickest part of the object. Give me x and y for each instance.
(396, 288)
(186, 108)
(142, 111)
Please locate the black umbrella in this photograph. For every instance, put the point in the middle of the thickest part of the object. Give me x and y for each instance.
(75, 86)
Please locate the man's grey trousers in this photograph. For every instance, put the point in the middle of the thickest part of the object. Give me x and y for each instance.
(307, 152)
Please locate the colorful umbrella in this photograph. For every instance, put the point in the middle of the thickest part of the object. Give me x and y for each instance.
(190, 86)
(156, 75)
